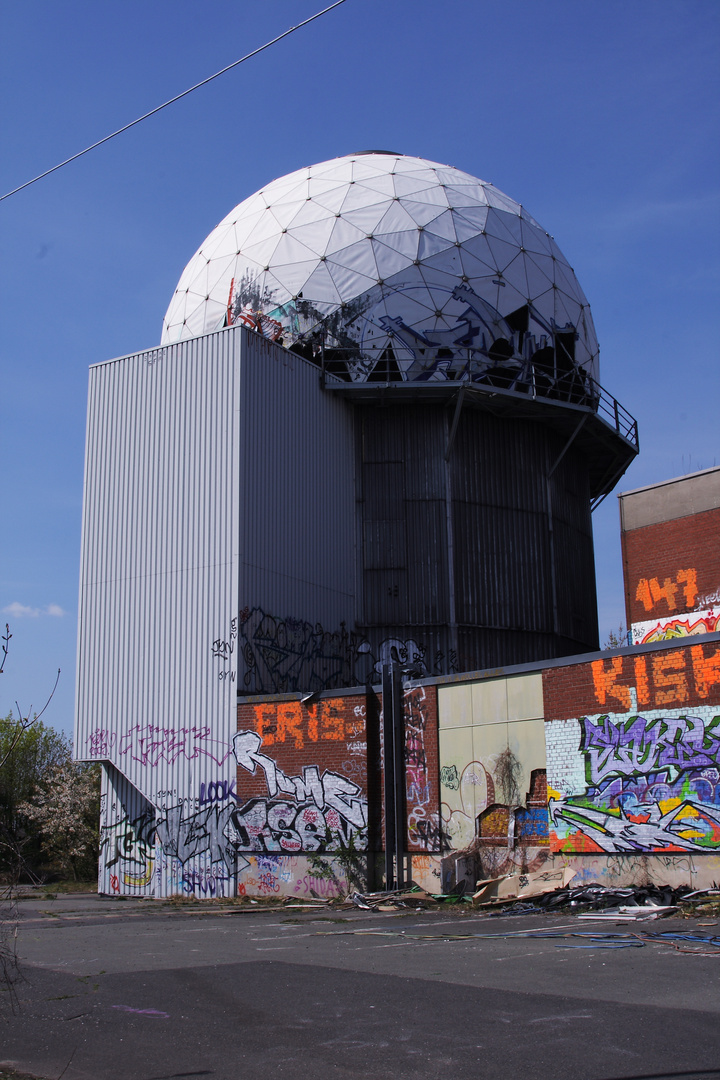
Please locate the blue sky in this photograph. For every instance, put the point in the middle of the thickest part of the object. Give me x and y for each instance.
(601, 117)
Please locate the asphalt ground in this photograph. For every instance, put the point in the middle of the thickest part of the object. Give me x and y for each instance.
(143, 990)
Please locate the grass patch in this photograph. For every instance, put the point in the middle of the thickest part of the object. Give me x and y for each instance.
(11, 1074)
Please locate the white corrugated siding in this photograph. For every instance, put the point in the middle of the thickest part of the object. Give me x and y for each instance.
(159, 563)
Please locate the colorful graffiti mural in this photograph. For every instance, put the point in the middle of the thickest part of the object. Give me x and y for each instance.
(127, 849)
(630, 782)
(689, 624)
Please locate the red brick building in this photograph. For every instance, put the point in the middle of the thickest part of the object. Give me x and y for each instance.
(671, 557)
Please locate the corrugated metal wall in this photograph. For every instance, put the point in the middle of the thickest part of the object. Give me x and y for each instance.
(486, 560)
(297, 498)
(156, 677)
(297, 494)
(127, 838)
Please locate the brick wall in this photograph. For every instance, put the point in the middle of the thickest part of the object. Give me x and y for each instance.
(422, 766)
(684, 675)
(340, 737)
(633, 752)
(672, 567)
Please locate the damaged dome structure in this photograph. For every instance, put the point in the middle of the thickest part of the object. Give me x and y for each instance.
(457, 333)
(405, 270)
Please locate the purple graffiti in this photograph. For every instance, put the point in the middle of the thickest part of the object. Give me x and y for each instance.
(669, 745)
(155, 1014)
(148, 744)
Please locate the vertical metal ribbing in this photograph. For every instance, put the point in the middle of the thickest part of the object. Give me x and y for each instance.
(155, 699)
(389, 775)
(394, 777)
(450, 546)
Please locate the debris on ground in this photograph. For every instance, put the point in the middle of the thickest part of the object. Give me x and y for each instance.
(552, 891)
(411, 896)
(512, 887)
(699, 944)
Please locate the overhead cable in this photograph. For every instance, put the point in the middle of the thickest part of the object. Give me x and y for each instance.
(172, 100)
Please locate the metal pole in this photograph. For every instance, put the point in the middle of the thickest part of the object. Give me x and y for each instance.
(399, 777)
(388, 773)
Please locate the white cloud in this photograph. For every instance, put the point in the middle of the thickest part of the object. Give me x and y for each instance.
(22, 611)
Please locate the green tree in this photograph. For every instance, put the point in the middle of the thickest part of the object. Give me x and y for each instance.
(28, 755)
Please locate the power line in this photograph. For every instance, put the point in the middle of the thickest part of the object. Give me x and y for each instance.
(172, 100)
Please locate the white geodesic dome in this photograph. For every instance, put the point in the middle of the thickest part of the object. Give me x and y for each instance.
(391, 260)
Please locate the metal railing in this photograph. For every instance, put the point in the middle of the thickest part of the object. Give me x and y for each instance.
(510, 376)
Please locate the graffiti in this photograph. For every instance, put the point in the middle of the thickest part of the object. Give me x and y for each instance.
(678, 675)
(206, 832)
(635, 783)
(286, 828)
(449, 777)
(101, 742)
(149, 744)
(331, 790)
(426, 830)
(291, 722)
(323, 887)
(284, 655)
(684, 827)
(423, 824)
(128, 841)
(353, 767)
(510, 824)
(475, 792)
(324, 813)
(217, 791)
(650, 592)
(223, 650)
(638, 747)
(678, 626)
(268, 875)
(129, 845)
(288, 654)
(209, 881)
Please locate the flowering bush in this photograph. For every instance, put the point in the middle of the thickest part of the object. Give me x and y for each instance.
(65, 810)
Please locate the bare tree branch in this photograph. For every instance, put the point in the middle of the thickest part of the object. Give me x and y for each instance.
(5, 646)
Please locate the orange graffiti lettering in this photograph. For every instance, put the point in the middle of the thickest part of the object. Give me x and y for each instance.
(706, 670)
(289, 721)
(669, 671)
(265, 723)
(650, 592)
(641, 681)
(668, 591)
(606, 684)
(642, 593)
(689, 576)
(313, 723)
(333, 726)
